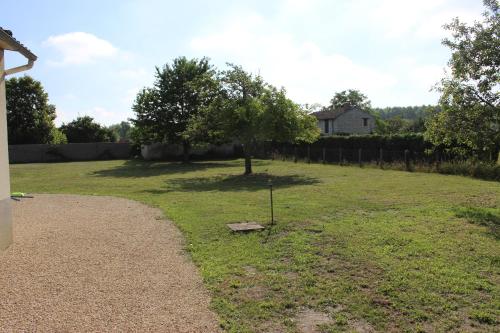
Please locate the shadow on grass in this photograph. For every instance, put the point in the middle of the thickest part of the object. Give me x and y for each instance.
(481, 216)
(234, 183)
(141, 168)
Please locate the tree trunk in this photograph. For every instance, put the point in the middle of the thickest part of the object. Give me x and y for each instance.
(248, 159)
(186, 147)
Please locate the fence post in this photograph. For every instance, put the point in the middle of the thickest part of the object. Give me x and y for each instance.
(340, 155)
(359, 158)
(295, 157)
(381, 157)
(283, 154)
(324, 155)
(407, 159)
(308, 153)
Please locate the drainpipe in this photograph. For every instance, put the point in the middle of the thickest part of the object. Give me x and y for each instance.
(5, 201)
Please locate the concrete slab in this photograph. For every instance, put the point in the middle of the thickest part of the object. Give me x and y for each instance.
(245, 227)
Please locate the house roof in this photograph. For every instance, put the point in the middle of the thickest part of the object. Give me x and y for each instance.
(8, 42)
(328, 113)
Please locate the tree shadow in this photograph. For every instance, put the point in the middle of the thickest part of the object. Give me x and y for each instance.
(482, 216)
(141, 168)
(234, 183)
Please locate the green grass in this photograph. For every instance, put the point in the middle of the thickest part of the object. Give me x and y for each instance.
(388, 250)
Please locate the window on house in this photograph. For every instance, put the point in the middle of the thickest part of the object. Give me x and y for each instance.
(365, 122)
(327, 126)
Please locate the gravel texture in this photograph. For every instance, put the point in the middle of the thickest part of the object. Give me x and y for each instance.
(83, 263)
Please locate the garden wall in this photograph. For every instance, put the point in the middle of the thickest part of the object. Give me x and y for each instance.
(160, 151)
(45, 153)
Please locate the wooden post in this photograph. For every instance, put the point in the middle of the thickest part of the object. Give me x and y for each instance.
(283, 154)
(324, 155)
(308, 153)
(381, 157)
(407, 159)
(340, 155)
(359, 158)
(295, 157)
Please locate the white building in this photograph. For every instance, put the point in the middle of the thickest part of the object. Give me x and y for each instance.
(7, 42)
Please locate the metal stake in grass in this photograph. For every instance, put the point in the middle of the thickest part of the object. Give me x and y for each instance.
(271, 197)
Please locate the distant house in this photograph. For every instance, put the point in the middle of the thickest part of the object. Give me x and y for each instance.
(345, 120)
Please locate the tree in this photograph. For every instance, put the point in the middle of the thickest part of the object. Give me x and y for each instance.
(30, 117)
(351, 97)
(469, 121)
(249, 111)
(122, 131)
(163, 113)
(84, 129)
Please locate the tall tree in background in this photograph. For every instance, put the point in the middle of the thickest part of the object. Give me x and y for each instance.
(122, 131)
(351, 97)
(85, 129)
(249, 111)
(30, 117)
(469, 121)
(181, 89)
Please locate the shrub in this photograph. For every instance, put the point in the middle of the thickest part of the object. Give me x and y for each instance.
(482, 170)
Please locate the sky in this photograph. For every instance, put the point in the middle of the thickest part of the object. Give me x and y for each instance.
(95, 55)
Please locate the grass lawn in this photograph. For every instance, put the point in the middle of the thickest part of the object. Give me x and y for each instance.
(368, 249)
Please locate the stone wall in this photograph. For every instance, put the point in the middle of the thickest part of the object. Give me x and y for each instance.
(352, 122)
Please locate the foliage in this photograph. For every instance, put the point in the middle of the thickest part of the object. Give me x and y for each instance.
(163, 113)
(30, 117)
(380, 250)
(351, 97)
(481, 170)
(469, 123)
(84, 129)
(249, 111)
(122, 131)
(58, 137)
(403, 112)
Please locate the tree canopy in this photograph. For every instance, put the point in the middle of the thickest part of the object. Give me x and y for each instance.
(249, 111)
(351, 97)
(181, 89)
(30, 116)
(469, 121)
(85, 129)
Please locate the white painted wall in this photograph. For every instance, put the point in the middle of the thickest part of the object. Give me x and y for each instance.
(5, 213)
(4, 148)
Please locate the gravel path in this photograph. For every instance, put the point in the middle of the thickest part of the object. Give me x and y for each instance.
(82, 263)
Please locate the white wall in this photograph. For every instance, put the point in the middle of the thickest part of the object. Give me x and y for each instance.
(4, 148)
(5, 213)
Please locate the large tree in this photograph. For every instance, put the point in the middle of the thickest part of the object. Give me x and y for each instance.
(122, 131)
(249, 111)
(85, 129)
(30, 116)
(181, 89)
(351, 97)
(469, 121)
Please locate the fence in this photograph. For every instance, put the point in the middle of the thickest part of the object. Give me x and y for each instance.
(312, 153)
(44, 153)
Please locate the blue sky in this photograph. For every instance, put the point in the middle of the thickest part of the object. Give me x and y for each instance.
(94, 56)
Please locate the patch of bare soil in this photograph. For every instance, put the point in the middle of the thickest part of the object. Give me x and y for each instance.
(308, 320)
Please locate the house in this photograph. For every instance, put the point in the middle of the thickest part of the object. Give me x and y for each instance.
(345, 120)
(7, 42)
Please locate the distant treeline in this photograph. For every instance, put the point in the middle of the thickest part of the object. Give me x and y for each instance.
(404, 112)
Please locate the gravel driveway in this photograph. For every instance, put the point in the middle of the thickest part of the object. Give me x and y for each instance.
(82, 263)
